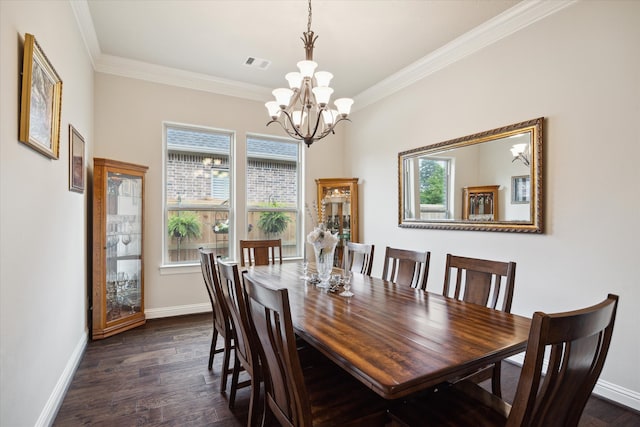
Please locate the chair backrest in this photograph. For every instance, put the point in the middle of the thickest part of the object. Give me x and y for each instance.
(235, 299)
(212, 281)
(285, 391)
(359, 256)
(578, 341)
(406, 267)
(260, 252)
(480, 281)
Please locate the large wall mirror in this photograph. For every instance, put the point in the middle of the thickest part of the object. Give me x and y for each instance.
(490, 181)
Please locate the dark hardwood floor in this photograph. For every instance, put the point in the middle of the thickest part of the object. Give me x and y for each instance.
(156, 375)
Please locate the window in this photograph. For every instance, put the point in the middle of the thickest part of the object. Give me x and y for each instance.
(434, 187)
(197, 192)
(274, 196)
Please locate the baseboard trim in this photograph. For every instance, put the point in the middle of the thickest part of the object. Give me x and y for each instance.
(178, 310)
(50, 410)
(604, 389)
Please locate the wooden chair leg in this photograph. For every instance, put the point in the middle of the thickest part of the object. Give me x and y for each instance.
(254, 400)
(225, 365)
(495, 379)
(235, 375)
(212, 352)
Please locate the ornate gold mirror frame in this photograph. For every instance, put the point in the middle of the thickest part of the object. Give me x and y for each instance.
(489, 181)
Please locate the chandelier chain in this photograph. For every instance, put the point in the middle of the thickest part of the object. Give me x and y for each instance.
(309, 21)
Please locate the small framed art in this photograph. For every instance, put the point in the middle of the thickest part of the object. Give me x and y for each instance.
(41, 100)
(76, 160)
(520, 189)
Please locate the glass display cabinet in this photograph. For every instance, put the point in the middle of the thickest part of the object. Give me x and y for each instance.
(118, 291)
(338, 205)
(480, 203)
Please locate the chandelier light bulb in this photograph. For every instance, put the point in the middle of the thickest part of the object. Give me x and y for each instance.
(322, 94)
(283, 96)
(295, 79)
(323, 78)
(329, 116)
(343, 105)
(307, 68)
(273, 108)
(298, 118)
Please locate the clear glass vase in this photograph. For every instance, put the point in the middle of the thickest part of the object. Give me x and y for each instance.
(324, 263)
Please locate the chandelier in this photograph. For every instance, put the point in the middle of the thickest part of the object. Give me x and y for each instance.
(303, 109)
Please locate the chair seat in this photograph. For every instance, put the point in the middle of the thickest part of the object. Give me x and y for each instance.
(462, 404)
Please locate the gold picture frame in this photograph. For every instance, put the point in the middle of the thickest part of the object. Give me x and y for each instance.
(41, 101)
(76, 160)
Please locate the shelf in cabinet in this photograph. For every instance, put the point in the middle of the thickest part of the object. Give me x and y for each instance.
(128, 257)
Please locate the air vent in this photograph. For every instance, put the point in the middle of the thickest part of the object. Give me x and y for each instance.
(259, 63)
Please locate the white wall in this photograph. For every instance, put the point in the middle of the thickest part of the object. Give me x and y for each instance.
(579, 68)
(43, 273)
(129, 115)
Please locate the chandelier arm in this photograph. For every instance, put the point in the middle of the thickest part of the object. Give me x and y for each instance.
(293, 135)
(331, 128)
(294, 99)
(315, 129)
(293, 126)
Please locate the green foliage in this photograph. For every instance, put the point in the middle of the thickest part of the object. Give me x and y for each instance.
(432, 183)
(273, 222)
(184, 224)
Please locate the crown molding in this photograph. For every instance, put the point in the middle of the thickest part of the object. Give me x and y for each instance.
(87, 30)
(512, 20)
(175, 77)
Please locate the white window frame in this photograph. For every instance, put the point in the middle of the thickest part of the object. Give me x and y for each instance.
(167, 267)
(300, 209)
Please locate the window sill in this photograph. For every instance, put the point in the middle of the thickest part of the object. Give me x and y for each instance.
(168, 269)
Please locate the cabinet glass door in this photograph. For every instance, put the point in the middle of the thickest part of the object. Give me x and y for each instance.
(124, 246)
(338, 204)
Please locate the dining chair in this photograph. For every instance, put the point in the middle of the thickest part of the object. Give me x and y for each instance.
(221, 322)
(484, 282)
(321, 394)
(576, 342)
(406, 267)
(359, 256)
(260, 252)
(246, 355)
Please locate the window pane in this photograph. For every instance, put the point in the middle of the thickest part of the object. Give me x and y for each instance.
(197, 192)
(434, 188)
(273, 191)
(272, 173)
(189, 230)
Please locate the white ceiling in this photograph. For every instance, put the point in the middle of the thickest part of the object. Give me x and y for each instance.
(364, 43)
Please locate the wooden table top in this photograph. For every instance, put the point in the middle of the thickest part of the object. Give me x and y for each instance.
(395, 339)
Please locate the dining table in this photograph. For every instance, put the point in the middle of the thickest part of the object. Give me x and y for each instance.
(395, 339)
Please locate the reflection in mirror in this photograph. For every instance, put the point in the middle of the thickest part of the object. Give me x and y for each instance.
(488, 181)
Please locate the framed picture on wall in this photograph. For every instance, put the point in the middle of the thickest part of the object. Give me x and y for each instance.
(40, 101)
(520, 189)
(76, 160)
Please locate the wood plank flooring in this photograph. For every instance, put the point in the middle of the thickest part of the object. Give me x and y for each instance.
(156, 375)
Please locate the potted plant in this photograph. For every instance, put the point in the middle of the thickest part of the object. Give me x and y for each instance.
(184, 225)
(273, 222)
